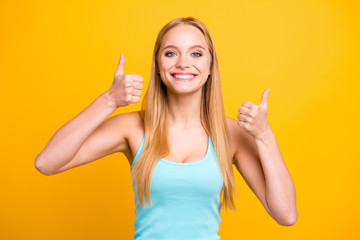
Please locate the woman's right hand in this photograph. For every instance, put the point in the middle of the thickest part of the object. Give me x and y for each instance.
(126, 88)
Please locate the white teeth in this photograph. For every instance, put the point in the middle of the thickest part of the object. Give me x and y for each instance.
(184, 76)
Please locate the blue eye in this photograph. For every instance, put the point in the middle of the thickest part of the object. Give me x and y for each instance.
(167, 54)
(170, 54)
(198, 53)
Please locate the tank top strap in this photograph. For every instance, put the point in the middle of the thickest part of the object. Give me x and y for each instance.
(138, 153)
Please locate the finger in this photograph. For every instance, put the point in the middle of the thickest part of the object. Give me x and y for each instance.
(137, 85)
(135, 77)
(242, 124)
(135, 99)
(244, 110)
(247, 112)
(264, 99)
(137, 93)
(121, 65)
(244, 118)
(249, 105)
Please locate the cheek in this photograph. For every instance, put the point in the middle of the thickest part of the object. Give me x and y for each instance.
(165, 63)
(204, 66)
(164, 68)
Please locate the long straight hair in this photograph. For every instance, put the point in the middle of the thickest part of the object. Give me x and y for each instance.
(155, 115)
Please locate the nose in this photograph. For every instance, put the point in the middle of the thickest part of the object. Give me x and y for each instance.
(183, 62)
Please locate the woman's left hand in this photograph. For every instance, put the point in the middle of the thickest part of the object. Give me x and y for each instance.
(253, 118)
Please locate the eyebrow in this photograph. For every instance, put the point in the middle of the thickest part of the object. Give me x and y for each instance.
(193, 46)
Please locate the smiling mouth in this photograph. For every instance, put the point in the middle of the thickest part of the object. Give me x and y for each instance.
(182, 77)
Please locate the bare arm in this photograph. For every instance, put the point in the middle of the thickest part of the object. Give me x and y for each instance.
(264, 170)
(67, 141)
(89, 136)
(280, 189)
(259, 160)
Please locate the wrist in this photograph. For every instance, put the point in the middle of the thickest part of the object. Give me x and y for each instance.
(107, 99)
(266, 135)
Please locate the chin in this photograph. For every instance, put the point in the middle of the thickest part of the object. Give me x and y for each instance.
(183, 87)
(184, 91)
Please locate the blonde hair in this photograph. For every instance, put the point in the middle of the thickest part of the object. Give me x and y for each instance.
(154, 114)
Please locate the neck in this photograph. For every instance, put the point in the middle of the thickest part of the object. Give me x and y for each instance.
(184, 110)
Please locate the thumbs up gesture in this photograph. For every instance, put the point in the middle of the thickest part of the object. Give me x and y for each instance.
(253, 118)
(126, 88)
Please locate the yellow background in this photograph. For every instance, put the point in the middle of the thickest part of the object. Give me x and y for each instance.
(56, 57)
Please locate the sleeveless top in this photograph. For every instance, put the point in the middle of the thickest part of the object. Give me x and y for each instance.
(185, 200)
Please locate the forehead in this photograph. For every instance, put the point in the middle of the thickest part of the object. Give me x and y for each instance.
(184, 36)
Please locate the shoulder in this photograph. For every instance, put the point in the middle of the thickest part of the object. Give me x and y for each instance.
(131, 127)
(235, 132)
(129, 123)
(129, 117)
(133, 118)
(239, 139)
(134, 129)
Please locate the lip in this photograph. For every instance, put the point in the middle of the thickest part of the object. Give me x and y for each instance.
(183, 73)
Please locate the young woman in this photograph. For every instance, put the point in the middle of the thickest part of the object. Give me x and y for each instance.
(181, 146)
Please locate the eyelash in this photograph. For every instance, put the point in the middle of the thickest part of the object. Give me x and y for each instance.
(166, 54)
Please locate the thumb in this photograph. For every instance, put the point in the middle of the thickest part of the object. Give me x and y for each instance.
(264, 99)
(121, 65)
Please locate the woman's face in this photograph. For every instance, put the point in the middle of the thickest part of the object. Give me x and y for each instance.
(184, 60)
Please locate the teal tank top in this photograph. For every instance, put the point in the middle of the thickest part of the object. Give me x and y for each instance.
(185, 200)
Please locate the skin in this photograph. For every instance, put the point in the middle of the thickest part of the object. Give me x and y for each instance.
(187, 138)
(254, 148)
